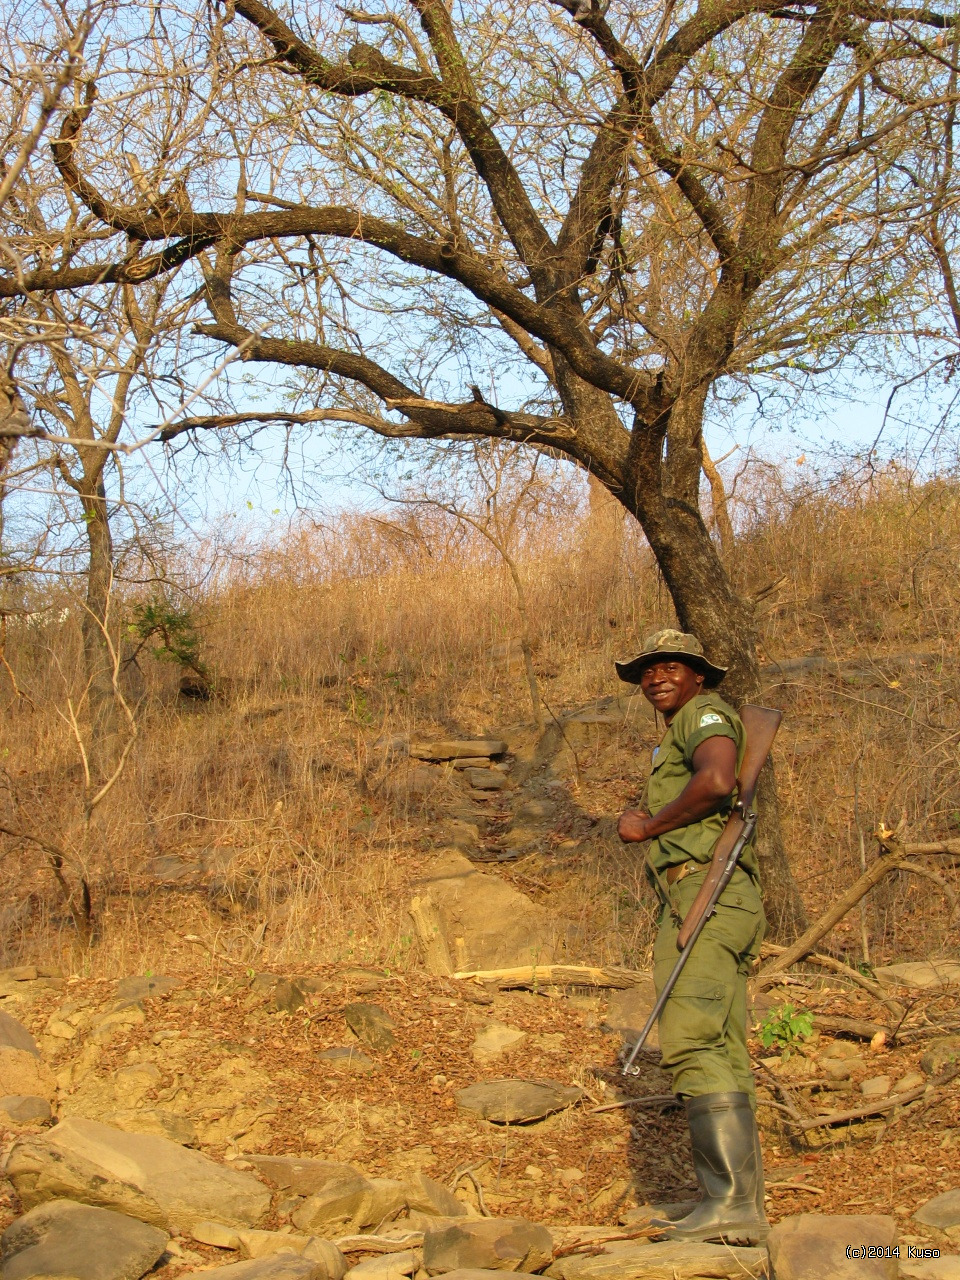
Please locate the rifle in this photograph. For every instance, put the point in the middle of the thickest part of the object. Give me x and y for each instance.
(760, 725)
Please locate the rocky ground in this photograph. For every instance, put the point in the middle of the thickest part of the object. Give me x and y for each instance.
(384, 1124)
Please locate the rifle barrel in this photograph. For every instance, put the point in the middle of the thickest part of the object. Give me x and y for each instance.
(749, 826)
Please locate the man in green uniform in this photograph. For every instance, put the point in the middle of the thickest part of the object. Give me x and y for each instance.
(703, 1034)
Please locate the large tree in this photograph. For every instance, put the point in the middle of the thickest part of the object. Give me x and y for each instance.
(598, 211)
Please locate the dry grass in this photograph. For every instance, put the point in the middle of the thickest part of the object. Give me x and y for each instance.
(332, 640)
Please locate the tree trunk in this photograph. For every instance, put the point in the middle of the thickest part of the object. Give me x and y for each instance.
(98, 659)
(663, 491)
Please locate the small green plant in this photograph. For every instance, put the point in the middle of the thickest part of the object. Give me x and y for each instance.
(174, 632)
(785, 1027)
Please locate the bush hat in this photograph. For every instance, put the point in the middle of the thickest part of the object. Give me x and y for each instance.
(665, 645)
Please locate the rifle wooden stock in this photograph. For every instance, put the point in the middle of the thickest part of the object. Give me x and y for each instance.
(760, 725)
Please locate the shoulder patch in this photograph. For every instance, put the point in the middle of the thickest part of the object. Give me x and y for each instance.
(710, 717)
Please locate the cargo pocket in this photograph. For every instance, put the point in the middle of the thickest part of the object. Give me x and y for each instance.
(693, 1018)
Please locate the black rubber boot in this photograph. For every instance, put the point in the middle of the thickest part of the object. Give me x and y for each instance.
(726, 1158)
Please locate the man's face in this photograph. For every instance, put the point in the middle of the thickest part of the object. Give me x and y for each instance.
(668, 685)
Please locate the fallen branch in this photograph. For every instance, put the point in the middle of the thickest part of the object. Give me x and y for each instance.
(795, 1186)
(557, 975)
(596, 1245)
(820, 928)
(893, 854)
(859, 1027)
(871, 1109)
(837, 966)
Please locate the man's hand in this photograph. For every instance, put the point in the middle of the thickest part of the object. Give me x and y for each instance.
(632, 826)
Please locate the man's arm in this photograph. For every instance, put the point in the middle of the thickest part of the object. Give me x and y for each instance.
(711, 786)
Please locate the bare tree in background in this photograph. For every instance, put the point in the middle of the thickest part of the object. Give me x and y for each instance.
(499, 490)
(614, 208)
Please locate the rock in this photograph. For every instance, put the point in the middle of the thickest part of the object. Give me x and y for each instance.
(942, 1212)
(23, 1073)
(494, 1039)
(165, 1124)
(143, 1175)
(77, 1242)
(485, 779)
(920, 973)
(535, 811)
(350, 1202)
(500, 1244)
(669, 1261)
(133, 1082)
(469, 919)
(264, 1244)
(216, 1234)
(25, 1110)
(458, 749)
(347, 1056)
(386, 1266)
(942, 1052)
(20, 973)
(14, 1035)
(424, 1195)
(836, 1068)
(812, 1246)
(288, 996)
(113, 1023)
(168, 867)
(282, 1266)
(517, 1101)
(480, 1273)
(305, 1176)
(132, 990)
(326, 1251)
(918, 1267)
(877, 1087)
(371, 1024)
(911, 1080)
(628, 1010)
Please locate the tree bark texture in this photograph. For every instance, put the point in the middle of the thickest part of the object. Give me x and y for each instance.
(98, 656)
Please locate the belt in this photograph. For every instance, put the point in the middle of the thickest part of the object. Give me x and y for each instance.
(681, 869)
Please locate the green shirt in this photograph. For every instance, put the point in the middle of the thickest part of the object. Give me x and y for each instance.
(705, 716)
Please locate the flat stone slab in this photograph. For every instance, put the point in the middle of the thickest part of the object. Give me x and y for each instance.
(145, 1176)
(144, 988)
(25, 1109)
(281, 1266)
(303, 1175)
(386, 1266)
(458, 749)
(62, 1240)
(504, 1244)
(813, 1246)
(920, 973)
(14, 1035)
(917, 1267)
(480, 1273)
(942, 1212)
(371, 1024)
(668, 1261)
(517, 1101)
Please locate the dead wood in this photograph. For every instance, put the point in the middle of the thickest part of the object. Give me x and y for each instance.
(893, 854)
(853, 975)
(557, 975)
(871, 1109)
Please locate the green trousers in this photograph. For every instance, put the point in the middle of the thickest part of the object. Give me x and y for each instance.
(703, 1026)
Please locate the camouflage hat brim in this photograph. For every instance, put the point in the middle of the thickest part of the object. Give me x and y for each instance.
(631, 670)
